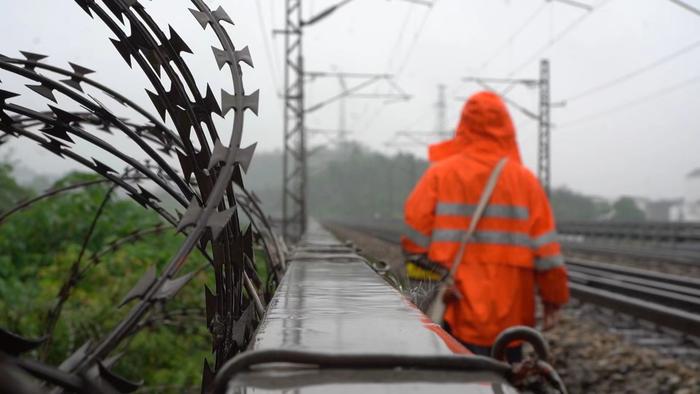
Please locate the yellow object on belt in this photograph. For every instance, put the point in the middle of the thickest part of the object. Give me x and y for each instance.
(416, 272)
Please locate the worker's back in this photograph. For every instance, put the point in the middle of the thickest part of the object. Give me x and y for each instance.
(514, 247)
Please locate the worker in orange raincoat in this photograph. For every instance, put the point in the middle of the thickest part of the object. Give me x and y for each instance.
(513, 252)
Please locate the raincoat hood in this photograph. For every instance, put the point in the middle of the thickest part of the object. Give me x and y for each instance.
(485, 130)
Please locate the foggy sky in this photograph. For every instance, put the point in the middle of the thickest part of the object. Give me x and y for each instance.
(623, 140)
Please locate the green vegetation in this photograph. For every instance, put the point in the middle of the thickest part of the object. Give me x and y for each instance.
(354, 181)
(37, 249)
(10, 190)
(569, 205)
(625, 209)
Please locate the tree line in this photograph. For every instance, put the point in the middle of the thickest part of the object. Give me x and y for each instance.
(352, 182)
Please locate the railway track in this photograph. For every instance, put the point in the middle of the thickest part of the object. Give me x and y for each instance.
(677, 243)
(665, 300)
(673, 232)
(669, 302)
(671, 253)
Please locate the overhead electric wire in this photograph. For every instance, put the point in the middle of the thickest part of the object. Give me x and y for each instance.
(568, 29)
(375, 115)
(389, 63)
(517, 32)
(687, 6)
(271, 60)
(632, 103)
(574, 3)
(399, 39)
(416, 37)
(623, 78)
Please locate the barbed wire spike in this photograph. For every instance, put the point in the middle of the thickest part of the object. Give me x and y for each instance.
(57, 131)
(75, 357)
(244, 56)
(80, 70)
(117, 382)
(102, 168)
(123, 50)
(187, 163)
(74, 83)
(15, 345)
(142, 286)
(118, 7)
(189, 218)
(177, 43)
(242, 156)
(172, 287)
(64, 117)
(54, 146)
(182, 121)
(85, 5)
(239, 103)
(238, 177)
(209, 105)
(207, 376)
(33, 57)
(158, 103)
(241, 330)
(218, 221)
(201, 17)
(42, 90)
(143, 197)
(5, 94)
(147, 194)
(221, 56)
(221, 15)
(210, 304)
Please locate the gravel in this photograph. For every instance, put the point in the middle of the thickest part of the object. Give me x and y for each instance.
(593, 359)
(589, 350)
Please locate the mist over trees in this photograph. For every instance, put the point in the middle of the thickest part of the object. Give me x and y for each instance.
(353, 183)
(569, 205)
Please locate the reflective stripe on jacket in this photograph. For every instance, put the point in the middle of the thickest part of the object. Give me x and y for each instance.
(514, 249)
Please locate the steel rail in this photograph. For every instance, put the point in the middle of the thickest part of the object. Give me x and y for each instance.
(637, 252)
(679, 280)
(649, 283)
(664, 316)
(672, 283)
(666, 300)
(641, 292)
(648, 231)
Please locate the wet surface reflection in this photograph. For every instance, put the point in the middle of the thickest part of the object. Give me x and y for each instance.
(342, 306)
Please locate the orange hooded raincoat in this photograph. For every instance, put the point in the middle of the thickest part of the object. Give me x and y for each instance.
(514, 250)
